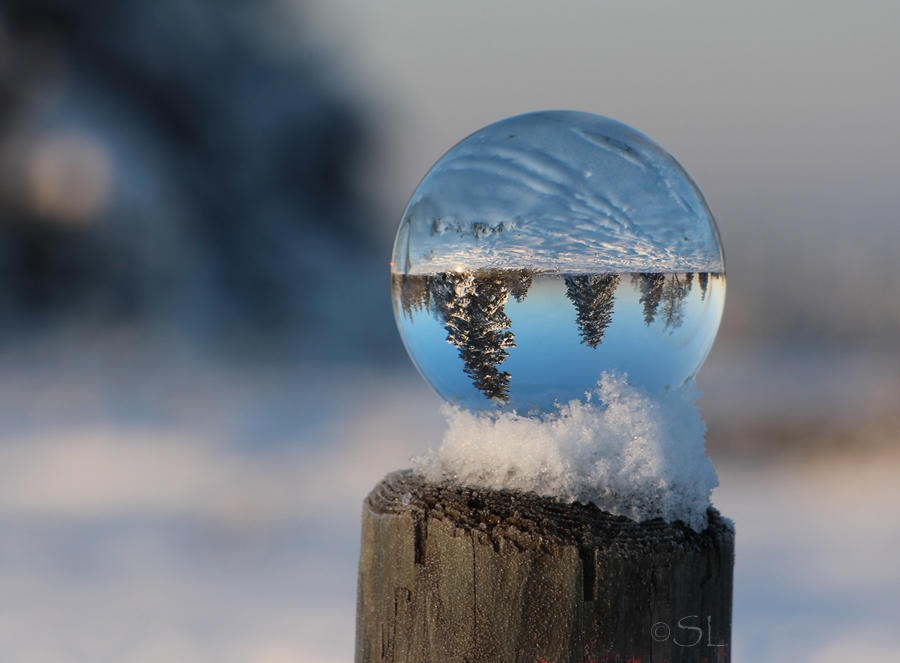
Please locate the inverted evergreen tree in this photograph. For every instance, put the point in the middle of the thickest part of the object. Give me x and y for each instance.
(703, 278)
(471, 307)
(673, 300)
(594, 297)
(651, 292)
(414, 291)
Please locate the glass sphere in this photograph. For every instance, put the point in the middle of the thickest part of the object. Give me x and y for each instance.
(550, 248)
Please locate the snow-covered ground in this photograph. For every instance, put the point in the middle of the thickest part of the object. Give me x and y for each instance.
(816, 577)
(185, 511)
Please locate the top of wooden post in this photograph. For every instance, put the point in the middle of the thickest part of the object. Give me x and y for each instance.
(532, 522)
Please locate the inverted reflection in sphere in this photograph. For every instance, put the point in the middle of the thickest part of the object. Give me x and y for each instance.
(548, 249)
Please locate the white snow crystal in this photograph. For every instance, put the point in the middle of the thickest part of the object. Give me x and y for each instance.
(629, 453)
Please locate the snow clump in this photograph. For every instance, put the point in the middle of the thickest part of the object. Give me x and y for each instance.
(629, 453)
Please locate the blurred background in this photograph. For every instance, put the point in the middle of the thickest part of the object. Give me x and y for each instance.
(199, 369)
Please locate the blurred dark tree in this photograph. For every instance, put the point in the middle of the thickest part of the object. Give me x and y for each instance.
(180, 160)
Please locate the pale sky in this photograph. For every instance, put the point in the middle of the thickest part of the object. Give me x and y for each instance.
(786, 114)
(734, 90)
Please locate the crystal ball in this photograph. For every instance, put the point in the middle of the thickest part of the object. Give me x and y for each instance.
(548, 249)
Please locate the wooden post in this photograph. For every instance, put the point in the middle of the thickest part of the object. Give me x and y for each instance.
(460, 575)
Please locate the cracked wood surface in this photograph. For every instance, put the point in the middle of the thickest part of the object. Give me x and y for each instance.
(451, 574)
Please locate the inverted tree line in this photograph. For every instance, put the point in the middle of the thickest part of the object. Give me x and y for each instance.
(471, 306)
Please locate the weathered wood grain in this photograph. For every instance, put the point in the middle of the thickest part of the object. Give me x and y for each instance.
(458, 575)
